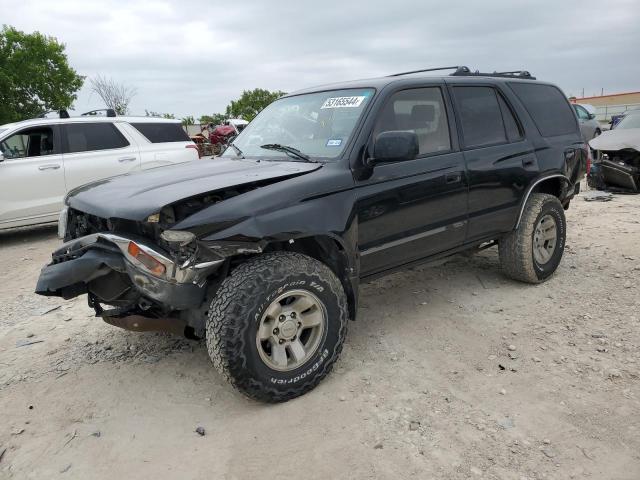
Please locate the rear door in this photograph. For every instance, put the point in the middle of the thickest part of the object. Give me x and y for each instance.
(500, 161)
(96, 150)
(31, 176)
(163, 143)
(413, 209)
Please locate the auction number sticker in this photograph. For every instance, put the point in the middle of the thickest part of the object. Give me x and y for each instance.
(343, 102)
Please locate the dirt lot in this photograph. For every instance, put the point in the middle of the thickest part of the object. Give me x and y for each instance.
(450, 372)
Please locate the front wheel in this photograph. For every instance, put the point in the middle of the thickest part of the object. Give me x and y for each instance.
(276, 325)
(532, 252)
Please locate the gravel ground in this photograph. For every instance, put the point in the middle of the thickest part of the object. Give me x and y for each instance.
(450, 372)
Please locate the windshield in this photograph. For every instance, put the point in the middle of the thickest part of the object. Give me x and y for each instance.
(630, 121)
(318, 125)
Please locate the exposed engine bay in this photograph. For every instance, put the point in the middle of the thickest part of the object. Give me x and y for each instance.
(616, 171)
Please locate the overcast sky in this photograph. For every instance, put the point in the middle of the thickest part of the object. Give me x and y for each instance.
(191, 58)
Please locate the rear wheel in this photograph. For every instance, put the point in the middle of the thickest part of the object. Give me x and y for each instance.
(532, 252)
(277, 325)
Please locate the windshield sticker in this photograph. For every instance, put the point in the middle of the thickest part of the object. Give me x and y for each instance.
(334, 142)
(343, 102)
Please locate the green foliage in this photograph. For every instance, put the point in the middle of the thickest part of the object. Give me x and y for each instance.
(251, 102)
(189, 120)
(216, 119)
(151, 113)
(34, 75)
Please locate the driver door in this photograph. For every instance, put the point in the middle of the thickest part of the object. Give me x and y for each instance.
(32, 184)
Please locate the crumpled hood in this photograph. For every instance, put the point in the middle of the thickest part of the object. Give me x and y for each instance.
(137, 195)
(617, 139)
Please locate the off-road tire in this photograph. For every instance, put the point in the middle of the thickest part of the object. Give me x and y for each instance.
(238, 306)
(516, 248)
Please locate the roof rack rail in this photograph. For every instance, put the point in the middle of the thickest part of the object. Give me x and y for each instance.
(110, 112)
(459, 70)
(62, 113)
(512, 74)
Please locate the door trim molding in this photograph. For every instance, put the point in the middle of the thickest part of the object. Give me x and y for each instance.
(411, 238)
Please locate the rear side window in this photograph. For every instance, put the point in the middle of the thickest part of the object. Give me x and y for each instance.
(548, 108)
(480, 116)
(162, 132)
(88, 137)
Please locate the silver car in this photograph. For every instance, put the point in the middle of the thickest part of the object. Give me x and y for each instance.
(589, 126)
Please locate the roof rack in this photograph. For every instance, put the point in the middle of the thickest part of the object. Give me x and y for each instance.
(512, 74)
(457, 68)
(462, 71)
(62, 113)
(110, 112)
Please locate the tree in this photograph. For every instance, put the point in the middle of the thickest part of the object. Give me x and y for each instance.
(35, 75)
(251, 102)
(114, 95)
(216, 119)
(150, 113)
(189, 120)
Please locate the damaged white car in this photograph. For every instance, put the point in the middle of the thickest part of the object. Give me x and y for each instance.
(616, 166)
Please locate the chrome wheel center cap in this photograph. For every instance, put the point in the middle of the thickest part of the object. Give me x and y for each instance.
(288, 329)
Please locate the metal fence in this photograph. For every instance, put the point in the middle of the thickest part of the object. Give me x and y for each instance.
(605, 112)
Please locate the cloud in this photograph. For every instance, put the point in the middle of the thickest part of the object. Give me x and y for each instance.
(192, 58)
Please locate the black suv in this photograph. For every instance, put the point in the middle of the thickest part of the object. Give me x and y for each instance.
(261, 251)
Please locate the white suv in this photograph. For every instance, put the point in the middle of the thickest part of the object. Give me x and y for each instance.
(43, 158)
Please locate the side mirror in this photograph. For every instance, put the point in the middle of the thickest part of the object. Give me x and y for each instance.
(591, 116)
(394, 146)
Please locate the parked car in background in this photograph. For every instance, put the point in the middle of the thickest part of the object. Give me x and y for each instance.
(44, 158)
(589, 126)
(617, 163)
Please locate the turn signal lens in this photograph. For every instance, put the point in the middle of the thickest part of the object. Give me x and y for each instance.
(150, 263)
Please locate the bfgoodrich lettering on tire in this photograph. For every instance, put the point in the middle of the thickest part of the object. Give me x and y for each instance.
(277, 325)
(533, 251)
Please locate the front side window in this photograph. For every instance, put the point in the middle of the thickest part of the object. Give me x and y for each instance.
(318, 125)
(32, 142)
(422, 111)
(582, 113)
(480, 116)
(87, 137)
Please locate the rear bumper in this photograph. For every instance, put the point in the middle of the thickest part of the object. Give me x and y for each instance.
(100, 264)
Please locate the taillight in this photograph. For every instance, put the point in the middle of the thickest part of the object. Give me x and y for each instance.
(150, 263)
(193, 145)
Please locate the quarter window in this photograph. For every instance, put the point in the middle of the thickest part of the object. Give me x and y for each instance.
(480, 116)
(422, 111)
(160, 132)
(548, 107)
(33, 142)
(87, 137)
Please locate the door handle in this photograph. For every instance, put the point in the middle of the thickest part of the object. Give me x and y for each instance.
(127, 159)
(51, 166)
(453, 177)
(528, 162)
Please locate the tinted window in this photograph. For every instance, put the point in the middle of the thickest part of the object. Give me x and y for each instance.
(548, 108)
(32, 142)
(511, 126)
(582, 112)
(87, 137)
(162, 132)
(480, 116)
(421, 110)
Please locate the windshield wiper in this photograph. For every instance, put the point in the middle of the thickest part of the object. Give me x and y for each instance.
(237, 150)
(287, 149)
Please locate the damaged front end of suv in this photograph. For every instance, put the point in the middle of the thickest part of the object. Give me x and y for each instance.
(147, 271)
